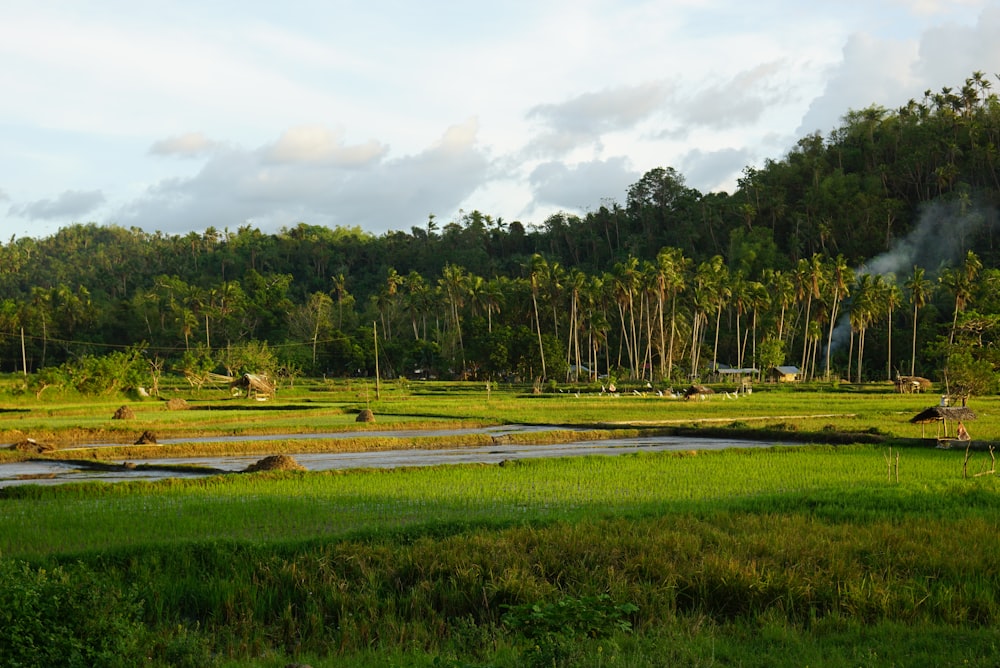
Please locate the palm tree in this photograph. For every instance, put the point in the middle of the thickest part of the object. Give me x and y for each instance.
(920, 290)
(740, 292)
(841, 278)
(959, 281)
(493, 294)
(760, 298)
(672, 268)
(863, 307)
(710, 291)
(575, 282)
(538, 268)
(782, 290)
(340, 290)
(626, 283)
(454, 282)
(892, 296)
(808, 276)
(720, 292)
(415, 300)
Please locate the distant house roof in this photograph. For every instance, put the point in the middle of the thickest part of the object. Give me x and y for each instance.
(735, 372)
(787, 370)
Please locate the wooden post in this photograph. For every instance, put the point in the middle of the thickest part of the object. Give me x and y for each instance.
(378, 390)
(24, 357)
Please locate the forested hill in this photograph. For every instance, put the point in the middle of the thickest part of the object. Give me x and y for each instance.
(918, 185)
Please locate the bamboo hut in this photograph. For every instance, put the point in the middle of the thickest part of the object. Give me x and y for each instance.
(944, 416)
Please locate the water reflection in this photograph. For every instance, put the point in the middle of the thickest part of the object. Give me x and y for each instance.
(55, 472)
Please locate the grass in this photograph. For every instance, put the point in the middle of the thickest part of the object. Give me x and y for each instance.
(811, 554)
(276, 507)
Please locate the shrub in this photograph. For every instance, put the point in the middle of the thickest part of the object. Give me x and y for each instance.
(62, 618)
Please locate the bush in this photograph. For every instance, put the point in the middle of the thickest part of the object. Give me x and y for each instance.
(58, 618)
(555, 630)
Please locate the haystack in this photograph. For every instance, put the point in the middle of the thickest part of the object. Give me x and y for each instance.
(275, 463)
(124, 413)
(32, 446)
(147, 438)
(365, 415)
(177, 404)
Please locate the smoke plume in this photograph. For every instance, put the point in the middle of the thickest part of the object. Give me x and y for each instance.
(943, 234)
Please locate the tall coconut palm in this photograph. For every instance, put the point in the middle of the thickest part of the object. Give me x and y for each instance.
(626, 285)
(538, 268)
(920, 290)
(809, 277)
(575, 282)
(959, 281)
(863, 309)
(841, 278)
(781, 289)
(672, 268)
(740, 293)
(892, 297)
(760, 299)
(454, 282)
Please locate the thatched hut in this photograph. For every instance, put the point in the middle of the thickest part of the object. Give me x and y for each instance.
(255, 385)
(942, 416)
(912, 384)
(698, 392)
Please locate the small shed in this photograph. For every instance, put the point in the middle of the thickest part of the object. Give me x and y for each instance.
(942, 416)
(785, 374)
(255, 385)
(912, 384)
(698, 392)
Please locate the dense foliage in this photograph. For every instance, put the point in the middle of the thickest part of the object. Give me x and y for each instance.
(886, 226)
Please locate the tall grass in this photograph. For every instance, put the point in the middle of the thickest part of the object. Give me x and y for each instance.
(293, 506)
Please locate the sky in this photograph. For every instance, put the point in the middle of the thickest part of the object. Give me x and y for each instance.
(179, 116)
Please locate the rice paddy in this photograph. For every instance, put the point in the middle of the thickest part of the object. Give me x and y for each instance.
(800, 553)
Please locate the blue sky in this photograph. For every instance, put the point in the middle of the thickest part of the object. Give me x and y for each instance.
(377, 114)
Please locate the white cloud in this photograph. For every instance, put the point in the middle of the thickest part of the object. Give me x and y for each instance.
(188, 145)
(714, 170)
(587, 116)
(376, 193)
(583, 186)
(333, 113)
(71, 204)
(317, 144)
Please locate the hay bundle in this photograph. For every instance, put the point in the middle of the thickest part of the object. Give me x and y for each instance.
(32, 446)
(177, 404)
(275, 463)
(365, 415)
(124, 413)
(147, 438)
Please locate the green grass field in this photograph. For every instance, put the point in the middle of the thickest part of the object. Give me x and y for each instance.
(872, 554)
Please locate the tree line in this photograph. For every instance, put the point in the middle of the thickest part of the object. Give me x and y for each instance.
(791, 268)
